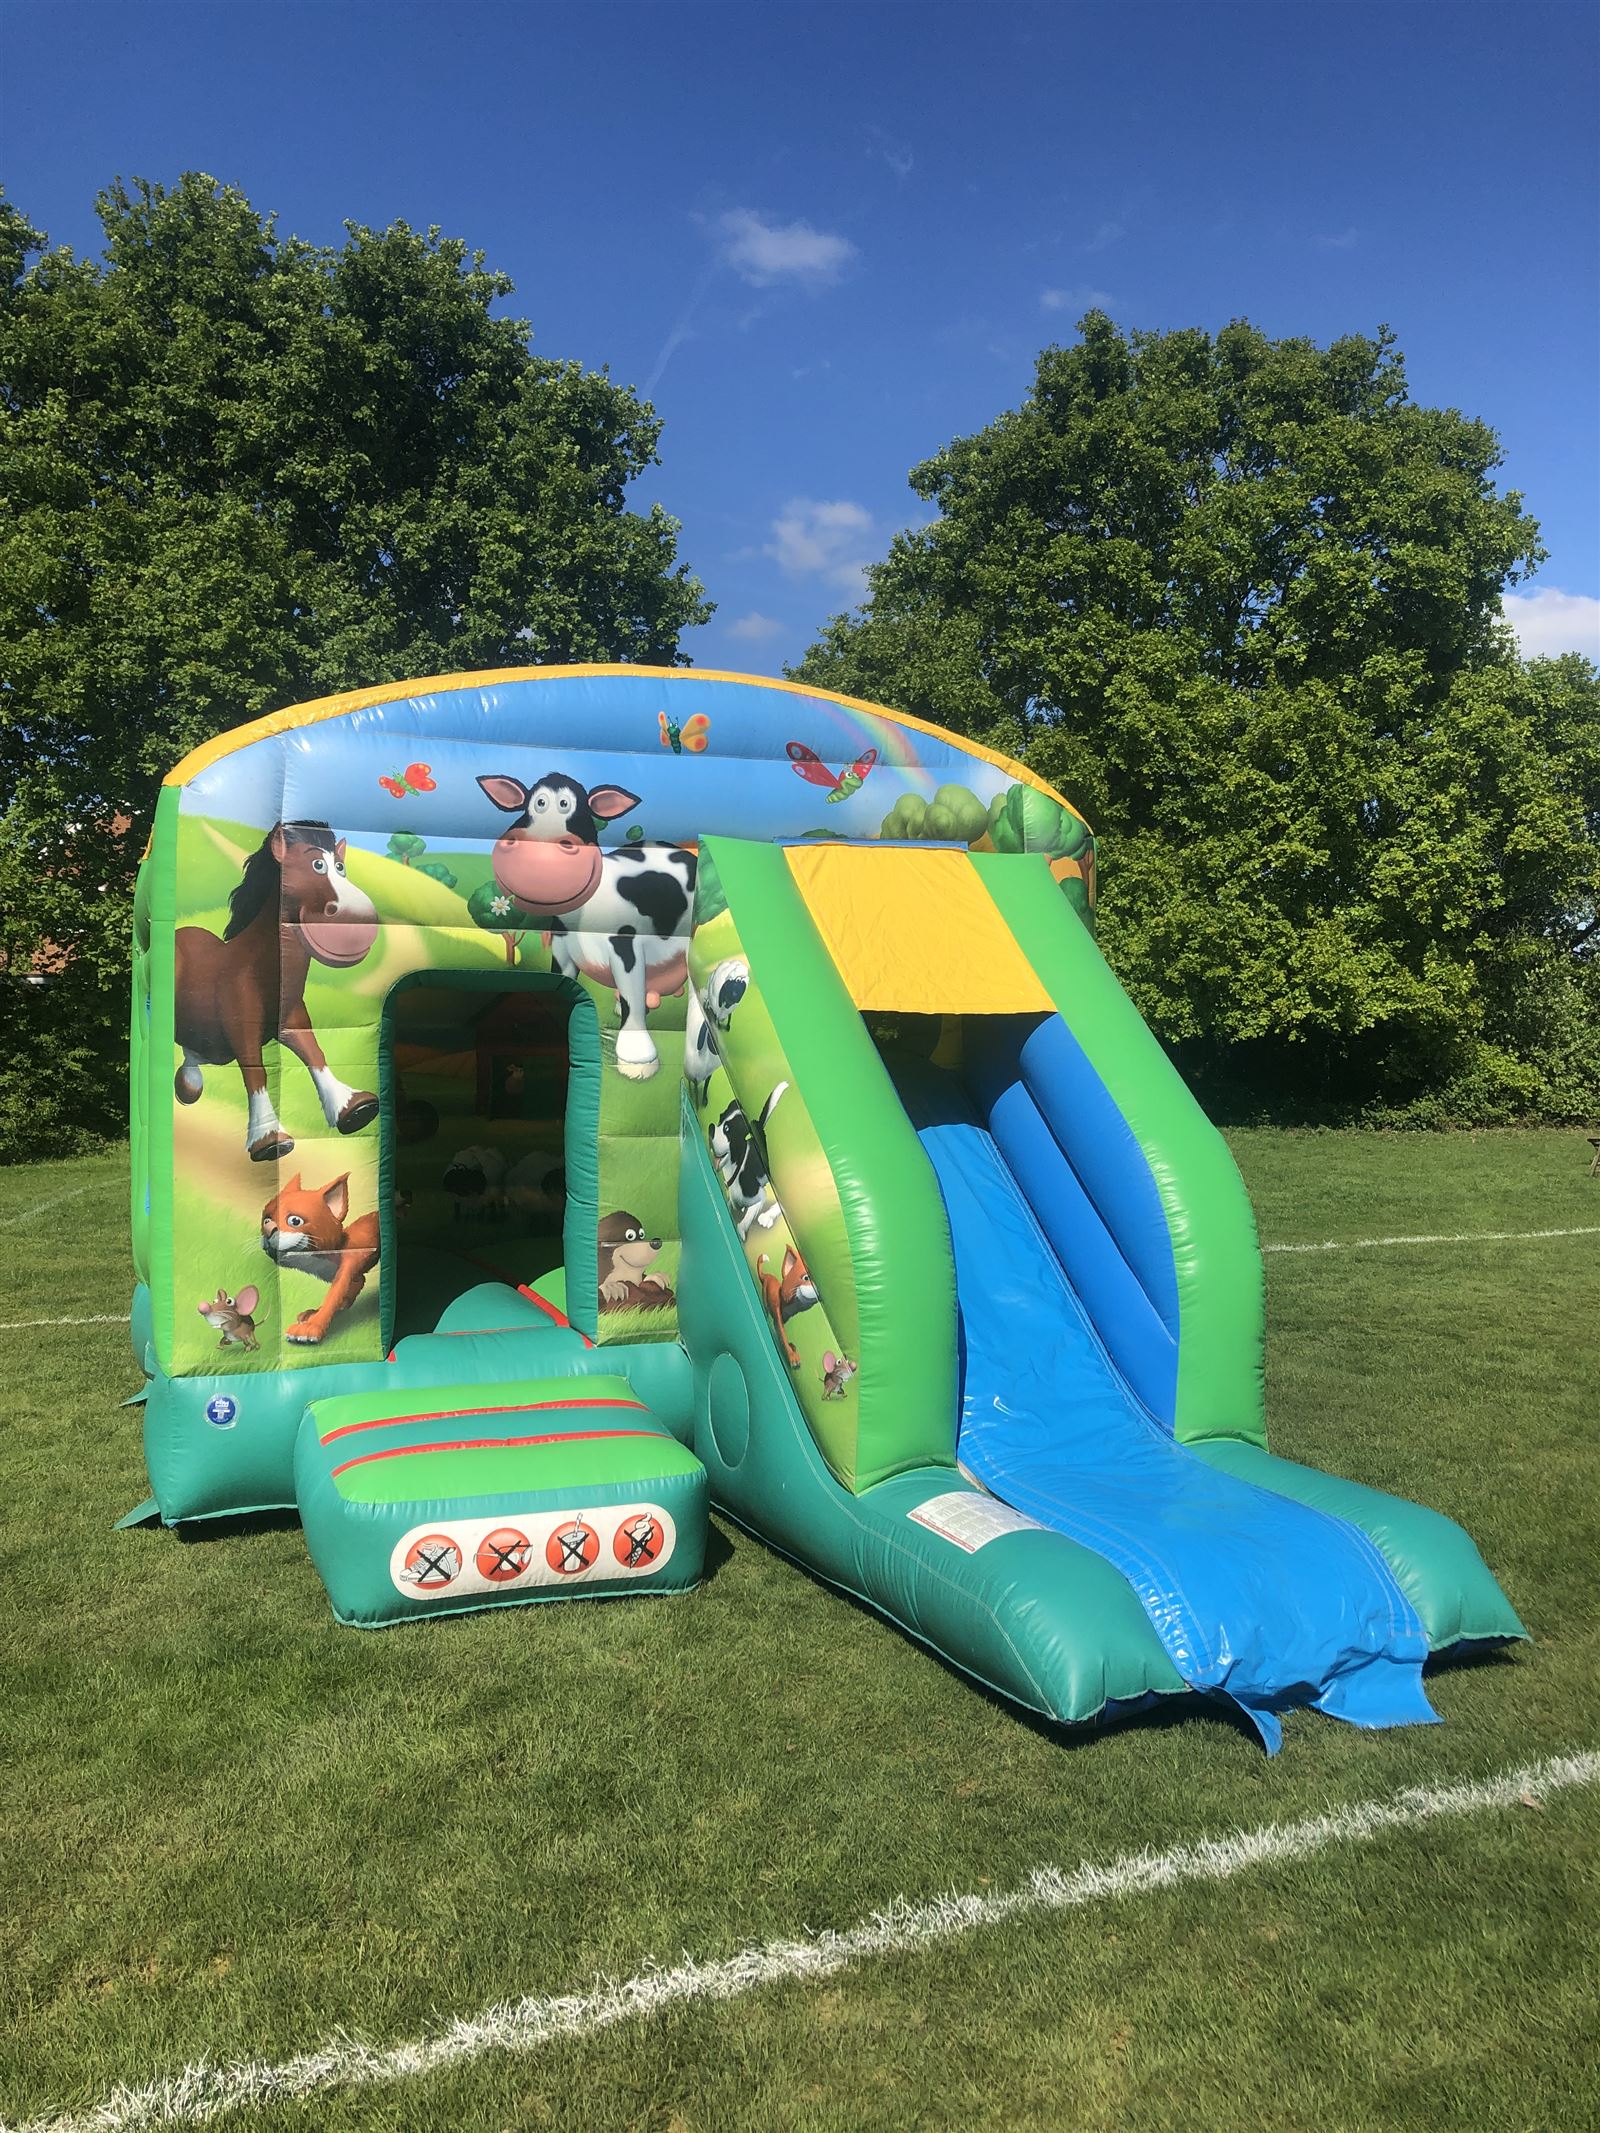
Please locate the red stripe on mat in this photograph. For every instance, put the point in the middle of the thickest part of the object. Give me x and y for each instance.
(491, 1444)
(558, 1315)
(465, 1414)
(544, 1304)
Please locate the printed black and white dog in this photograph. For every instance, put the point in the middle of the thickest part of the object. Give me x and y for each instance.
(709, 1012)
(739, 1150)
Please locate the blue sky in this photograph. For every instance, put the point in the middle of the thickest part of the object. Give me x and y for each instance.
(827, 239)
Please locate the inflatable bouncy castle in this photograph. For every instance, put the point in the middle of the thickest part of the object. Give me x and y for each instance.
(566, 1099)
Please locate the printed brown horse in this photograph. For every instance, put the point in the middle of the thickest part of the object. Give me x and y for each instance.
(236, 995)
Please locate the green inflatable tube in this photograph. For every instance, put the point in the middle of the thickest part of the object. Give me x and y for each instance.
(1023, 1610)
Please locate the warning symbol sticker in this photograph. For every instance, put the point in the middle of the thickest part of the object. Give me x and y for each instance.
(503, 1554)
(484, 1559)
(638, 1541)
(432, 1562)
(971, 1520)
(572, 1547)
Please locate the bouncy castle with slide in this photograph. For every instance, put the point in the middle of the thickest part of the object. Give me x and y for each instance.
(567, 1098)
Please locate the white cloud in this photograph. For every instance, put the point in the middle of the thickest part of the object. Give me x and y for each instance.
(896, 153)
(763, 252)
(831, 541)
(1080, 297)
(1105, 234)
(1344, 240)
(752, 628)
(1549, 622)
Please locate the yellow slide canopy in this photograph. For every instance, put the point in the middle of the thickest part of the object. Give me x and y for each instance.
(915, 932)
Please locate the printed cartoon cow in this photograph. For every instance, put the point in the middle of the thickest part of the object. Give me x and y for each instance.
(634, 902)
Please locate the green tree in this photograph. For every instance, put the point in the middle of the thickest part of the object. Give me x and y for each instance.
(239, 470)
(496, 911)
(1240, 600)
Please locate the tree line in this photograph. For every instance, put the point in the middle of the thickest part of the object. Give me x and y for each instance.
(1238, 598)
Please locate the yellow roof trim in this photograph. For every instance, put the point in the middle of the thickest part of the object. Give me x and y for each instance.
(321, 707)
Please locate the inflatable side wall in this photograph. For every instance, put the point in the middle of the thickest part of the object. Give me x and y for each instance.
(360, 1081)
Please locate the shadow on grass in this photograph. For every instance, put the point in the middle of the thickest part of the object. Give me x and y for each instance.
(238, 1525)
(201, 1532)
(1499, 1655)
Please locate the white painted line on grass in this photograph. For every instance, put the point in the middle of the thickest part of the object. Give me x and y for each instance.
(18, 1325)
(60, 1200)
(204, 2093)
(1475, 1236)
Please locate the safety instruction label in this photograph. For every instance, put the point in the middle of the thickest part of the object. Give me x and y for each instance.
(463, 1556)
(971, 1520)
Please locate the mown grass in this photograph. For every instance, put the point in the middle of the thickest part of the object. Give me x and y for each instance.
(236, 1827)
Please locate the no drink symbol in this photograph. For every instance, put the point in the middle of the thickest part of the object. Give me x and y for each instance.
(638, 1541)
(571, 1548)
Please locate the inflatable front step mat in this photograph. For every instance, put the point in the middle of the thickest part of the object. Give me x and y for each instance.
(441, 1500)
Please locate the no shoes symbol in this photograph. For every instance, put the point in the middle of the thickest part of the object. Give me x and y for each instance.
(571, 1548)
(638, 1541)
(433, 1562)
(503, 1554)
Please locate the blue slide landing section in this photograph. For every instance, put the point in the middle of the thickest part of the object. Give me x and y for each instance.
(1256, 1598)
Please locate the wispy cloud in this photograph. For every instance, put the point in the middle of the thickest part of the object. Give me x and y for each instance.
(682, 330)
(1548, 622)
(1344, 240)
(896, 153)
(754, 628)
(1104, 234)
(763, 252)
(1080, 297)
(766, 255)
(832, 541)
(970, 330)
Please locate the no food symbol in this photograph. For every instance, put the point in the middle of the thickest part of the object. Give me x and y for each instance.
(571, 1548)
(638, 1541)
(433, 1562)
(503, 1554)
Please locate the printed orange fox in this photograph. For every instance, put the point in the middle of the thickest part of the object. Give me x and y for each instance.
(784, 1295)
(306, 1229)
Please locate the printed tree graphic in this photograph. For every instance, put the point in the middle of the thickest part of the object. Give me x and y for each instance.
(497, 911)
(407, 846)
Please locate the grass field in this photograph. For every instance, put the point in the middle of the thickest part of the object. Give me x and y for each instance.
(237, 1829)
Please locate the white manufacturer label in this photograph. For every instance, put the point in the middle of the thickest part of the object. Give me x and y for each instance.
(469, 1557)
(971, 1520)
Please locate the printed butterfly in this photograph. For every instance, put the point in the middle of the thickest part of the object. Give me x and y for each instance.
(694, 734)
(810, 766)
(415, 778)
